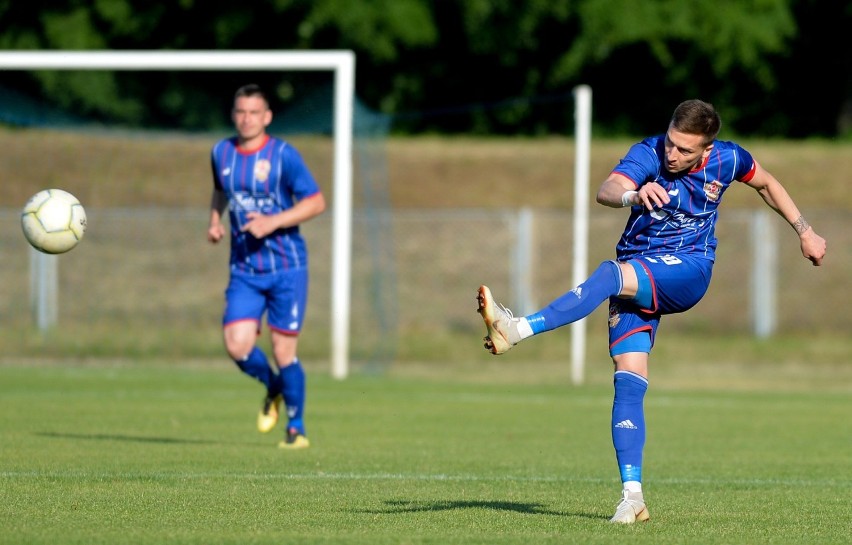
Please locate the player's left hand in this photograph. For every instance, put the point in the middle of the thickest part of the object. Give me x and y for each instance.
(259, 225)
(813, 246)
(653, 195)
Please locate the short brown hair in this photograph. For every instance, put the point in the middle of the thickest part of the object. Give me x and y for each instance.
(251, 90)
(697, 117)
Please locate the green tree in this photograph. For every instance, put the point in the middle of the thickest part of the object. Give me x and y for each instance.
(377, 30)
(475, 66)
(702, 48)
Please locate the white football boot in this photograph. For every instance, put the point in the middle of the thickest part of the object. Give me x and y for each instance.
(630, 509)
(501, 325)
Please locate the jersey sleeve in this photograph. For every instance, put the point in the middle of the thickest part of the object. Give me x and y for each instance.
(745, 166)
(640, 164)
(302, 182)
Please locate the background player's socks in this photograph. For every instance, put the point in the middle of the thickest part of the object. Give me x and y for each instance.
(256, 365)
(293, 380)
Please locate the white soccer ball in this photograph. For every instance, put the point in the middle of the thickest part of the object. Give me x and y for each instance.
(53, 221)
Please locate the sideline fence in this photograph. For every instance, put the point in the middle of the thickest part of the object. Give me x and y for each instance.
(151, 269)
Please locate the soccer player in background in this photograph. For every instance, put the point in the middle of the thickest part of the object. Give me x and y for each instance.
(673, 184)
(269, 191)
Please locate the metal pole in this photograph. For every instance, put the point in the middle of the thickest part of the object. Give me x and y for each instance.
(583, 132)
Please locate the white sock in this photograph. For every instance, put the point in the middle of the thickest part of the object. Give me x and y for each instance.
(634, 487)
(524, 328)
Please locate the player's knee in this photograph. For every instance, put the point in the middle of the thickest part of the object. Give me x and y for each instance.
(284, 347)
(284, 355)
(240, 338)
(237, 348)
(635, 362)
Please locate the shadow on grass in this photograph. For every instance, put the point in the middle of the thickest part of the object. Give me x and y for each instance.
(402, 506)
(119, 437)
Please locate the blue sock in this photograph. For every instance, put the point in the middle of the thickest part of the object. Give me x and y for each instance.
(293, 381)
(257, 366)
(628, 424)
(579, 302)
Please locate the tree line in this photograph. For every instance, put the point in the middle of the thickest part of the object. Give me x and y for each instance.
(774, 68)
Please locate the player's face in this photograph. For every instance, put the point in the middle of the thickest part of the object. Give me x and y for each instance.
(684, 151)
(251, 116)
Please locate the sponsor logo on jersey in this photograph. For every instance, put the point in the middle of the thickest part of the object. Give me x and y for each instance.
(678, 220)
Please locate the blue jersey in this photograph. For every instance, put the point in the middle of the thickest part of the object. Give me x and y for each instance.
(268, 179)
(688, 222)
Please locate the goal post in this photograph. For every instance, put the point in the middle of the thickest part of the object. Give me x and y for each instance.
(341, 62)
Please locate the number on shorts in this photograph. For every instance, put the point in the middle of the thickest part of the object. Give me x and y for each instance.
(667, 259)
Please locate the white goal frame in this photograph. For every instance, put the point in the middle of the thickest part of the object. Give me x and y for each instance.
(341, 62)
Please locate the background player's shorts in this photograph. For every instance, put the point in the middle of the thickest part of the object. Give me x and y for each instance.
(677, 284)
(283, 296)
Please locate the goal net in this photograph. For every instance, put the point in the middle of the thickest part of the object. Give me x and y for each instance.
(145, 281)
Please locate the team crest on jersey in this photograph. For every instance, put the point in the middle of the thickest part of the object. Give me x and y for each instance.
(614, 315)
(713, 190)
(261, 169)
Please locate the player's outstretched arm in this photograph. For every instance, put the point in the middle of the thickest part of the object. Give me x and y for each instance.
(776, 197)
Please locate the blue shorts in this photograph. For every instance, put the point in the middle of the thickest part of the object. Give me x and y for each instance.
(667, 285)
(283, 296)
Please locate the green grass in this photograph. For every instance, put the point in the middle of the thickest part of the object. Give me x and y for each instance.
(167, 453)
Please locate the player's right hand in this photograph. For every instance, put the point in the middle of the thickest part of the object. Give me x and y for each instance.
(215, 233)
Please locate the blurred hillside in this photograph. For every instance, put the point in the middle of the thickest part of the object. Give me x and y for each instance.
(169, 169)
(144, 281)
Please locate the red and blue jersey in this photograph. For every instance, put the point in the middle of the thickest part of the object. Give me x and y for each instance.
(688, 222)
(269, 179)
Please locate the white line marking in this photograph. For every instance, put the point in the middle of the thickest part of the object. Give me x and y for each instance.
(840, 483)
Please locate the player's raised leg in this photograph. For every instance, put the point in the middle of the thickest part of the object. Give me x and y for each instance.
(244, 307)
(256, 365)
(504, 330)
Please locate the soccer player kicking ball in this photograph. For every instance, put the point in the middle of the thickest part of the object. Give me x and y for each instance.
(269, 191)
(673, 184)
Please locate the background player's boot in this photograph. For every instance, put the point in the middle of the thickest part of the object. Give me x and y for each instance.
(294, 439)
(268, 415)
(501, 325)
(631, 509)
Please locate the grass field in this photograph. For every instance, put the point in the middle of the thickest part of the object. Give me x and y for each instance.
(163, 453)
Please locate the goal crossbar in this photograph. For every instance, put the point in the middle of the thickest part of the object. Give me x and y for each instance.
(341, 62)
